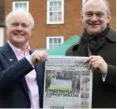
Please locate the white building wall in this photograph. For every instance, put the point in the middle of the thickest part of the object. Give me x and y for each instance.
(1, 36)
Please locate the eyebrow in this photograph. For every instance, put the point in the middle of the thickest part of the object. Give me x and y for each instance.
(94, 12)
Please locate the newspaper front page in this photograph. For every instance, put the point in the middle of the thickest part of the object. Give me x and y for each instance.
(68, 83)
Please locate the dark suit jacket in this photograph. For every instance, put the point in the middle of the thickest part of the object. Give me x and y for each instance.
(13, 87)
(104, 93)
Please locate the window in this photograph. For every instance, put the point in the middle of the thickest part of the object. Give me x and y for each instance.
(55, 11)
(53, 42)
(21, 5)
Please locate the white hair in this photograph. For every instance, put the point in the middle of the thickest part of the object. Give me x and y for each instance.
(27, 14)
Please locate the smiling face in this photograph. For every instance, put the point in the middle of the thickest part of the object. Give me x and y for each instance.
(19, 30)
(95, 16)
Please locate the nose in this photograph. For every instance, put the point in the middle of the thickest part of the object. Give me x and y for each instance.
(94, 18)
(19, 28)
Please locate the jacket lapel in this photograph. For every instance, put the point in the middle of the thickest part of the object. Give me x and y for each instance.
(9, 54)
(39, 68)
(11, 58)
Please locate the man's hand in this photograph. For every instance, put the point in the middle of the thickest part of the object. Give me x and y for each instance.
(38, 56)
(98, 63)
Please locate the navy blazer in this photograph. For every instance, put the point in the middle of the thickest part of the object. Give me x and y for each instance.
(13, 87)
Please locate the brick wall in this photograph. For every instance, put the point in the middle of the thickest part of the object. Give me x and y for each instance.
(72, 22)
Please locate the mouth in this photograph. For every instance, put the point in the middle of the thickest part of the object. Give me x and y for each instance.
(94, 24)
(18, 34)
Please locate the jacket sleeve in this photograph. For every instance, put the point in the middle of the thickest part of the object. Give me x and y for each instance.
(111, 75)
(12, 74)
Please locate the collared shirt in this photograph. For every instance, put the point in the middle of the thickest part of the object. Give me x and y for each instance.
(30, 77)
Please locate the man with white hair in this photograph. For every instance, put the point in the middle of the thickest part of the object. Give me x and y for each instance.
(98, 43)
(21, 70)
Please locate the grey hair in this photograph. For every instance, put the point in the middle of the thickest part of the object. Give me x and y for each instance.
(9, 16)
(106, 3)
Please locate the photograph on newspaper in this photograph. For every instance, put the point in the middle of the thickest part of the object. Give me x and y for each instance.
(67, 83)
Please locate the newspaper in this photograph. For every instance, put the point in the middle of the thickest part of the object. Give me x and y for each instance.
(68, 83)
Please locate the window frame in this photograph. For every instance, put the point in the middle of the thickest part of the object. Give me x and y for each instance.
(48, 38)
(14, 3)
(48, 13)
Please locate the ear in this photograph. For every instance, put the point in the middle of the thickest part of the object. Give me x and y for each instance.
(7, 31)
(109, 18)
(81, 17)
